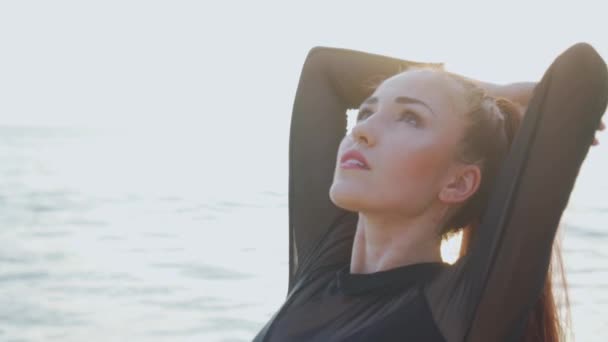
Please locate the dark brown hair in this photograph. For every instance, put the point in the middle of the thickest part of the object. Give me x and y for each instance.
(491, 127)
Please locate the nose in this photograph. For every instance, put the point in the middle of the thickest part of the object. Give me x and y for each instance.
(362, 134)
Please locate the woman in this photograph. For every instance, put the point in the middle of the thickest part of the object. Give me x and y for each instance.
(427, 149)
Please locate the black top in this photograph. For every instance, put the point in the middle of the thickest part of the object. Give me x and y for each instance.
(487, 294)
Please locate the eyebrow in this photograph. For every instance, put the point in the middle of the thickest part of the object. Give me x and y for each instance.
(401, 100)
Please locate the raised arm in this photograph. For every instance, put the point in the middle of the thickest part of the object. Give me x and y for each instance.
(518, 92)
(332, 81)
(490, 292)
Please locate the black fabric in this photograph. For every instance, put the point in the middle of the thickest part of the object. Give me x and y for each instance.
(385, 281)
(487, 294)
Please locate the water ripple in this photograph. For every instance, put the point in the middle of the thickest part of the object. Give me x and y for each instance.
(30, 314)
(21, 276)
(112, 292)
(200, 304)
(202, 271)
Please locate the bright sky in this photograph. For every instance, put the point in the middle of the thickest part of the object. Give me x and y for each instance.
(202, 64)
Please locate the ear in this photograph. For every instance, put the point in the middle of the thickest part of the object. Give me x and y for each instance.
(461, 185)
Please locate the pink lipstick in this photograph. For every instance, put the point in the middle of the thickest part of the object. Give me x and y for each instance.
(354, 160)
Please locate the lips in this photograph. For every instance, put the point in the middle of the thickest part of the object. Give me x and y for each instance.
(354, 160)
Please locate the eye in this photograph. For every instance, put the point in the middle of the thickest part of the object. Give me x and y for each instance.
(410, 117)
(364, 113)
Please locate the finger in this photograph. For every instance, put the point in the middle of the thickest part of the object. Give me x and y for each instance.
(595, 142)
(602, 126)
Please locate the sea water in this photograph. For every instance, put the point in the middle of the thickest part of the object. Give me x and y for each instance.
(110, 235)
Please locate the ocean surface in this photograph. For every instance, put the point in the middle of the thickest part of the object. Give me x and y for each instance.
(165, 236)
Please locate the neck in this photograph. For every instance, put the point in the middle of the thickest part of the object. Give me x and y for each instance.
(383, 243)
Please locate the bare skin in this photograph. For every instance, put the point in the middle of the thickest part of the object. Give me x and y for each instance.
(412, 183)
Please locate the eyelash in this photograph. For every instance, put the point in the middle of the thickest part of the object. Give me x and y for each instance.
(410, 113)
(365, 113)
(362, 113)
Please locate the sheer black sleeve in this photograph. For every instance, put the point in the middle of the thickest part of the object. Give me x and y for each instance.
(489, 293)
(332, 81)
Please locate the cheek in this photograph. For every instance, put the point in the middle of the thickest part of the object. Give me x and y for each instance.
(424, 164)
(412, 177)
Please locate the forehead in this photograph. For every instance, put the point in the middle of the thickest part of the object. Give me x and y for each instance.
(438, 91)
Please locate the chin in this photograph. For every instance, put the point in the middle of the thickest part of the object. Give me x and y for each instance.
(346, 197)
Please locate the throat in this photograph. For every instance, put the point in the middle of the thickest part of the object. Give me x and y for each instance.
(383, 248)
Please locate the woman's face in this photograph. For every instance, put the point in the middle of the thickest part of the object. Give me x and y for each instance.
(408, 132)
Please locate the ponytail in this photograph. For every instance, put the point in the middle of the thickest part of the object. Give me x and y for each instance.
(543, 323)
(512, 117)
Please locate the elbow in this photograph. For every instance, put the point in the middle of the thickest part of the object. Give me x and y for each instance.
(320, 56)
